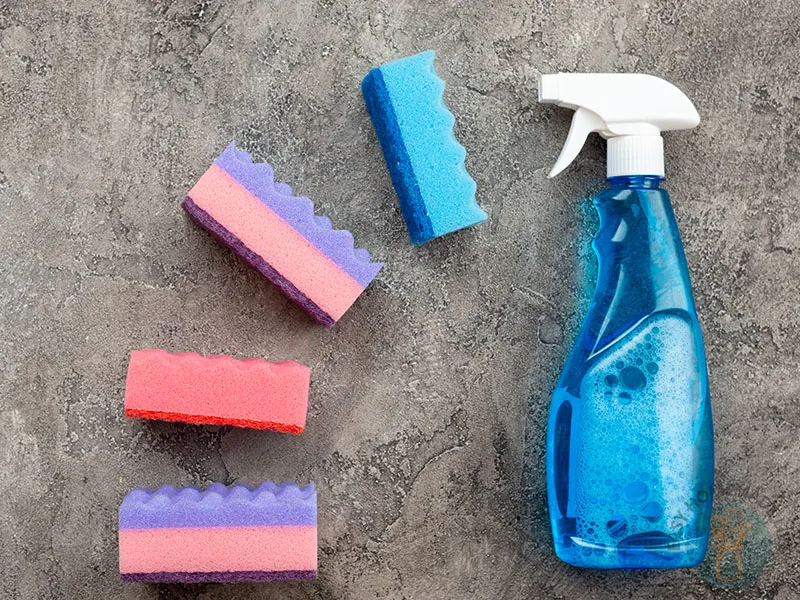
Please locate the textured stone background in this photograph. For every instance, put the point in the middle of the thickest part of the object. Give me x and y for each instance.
(429, 398)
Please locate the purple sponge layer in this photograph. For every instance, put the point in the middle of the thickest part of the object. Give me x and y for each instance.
(219, 506)
(218, 577)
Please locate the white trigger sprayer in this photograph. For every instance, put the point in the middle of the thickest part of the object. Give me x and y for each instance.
(630, 110)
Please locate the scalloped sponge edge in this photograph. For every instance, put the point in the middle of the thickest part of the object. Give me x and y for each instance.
(278, 233)
(425, 161)
(222, 534)
(217, 390)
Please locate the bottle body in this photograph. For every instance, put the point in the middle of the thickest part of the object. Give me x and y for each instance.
(630, 459)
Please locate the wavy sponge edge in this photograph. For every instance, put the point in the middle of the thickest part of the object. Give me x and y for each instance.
(278, 233)
(217, 390)
(425, 161)
(221, 534)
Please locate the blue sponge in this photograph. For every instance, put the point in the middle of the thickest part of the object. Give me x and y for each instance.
(415, 129)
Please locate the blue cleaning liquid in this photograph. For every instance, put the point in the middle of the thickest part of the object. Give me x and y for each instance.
(630, 458)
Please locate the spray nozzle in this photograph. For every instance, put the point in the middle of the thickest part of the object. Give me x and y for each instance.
(629, 109)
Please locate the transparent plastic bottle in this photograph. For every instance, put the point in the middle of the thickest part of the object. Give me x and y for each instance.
(630, 457)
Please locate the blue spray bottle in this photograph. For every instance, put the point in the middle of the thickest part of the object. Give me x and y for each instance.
(630, 455)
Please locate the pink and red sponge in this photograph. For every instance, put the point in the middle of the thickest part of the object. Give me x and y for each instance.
(217, 390)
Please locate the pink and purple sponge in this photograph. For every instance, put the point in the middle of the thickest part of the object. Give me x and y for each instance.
(217, 390)
(222, 534)
(315, 265)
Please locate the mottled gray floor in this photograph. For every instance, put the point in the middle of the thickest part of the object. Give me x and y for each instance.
(429, 398)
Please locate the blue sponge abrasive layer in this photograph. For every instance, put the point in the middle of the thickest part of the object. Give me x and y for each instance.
(383, 116)
(426, 162)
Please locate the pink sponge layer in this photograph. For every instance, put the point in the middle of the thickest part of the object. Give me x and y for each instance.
(218, 549)
(217, 390)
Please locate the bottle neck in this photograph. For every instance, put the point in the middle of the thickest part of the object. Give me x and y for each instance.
(642, 269)
(641, 182)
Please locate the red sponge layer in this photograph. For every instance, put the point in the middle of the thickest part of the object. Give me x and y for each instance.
(217, 390)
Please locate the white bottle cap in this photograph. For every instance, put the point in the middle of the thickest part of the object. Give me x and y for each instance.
(635, 155)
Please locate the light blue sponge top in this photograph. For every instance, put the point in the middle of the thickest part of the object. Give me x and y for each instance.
(437, 159)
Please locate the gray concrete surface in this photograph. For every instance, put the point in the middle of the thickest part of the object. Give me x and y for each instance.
(429, 398)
